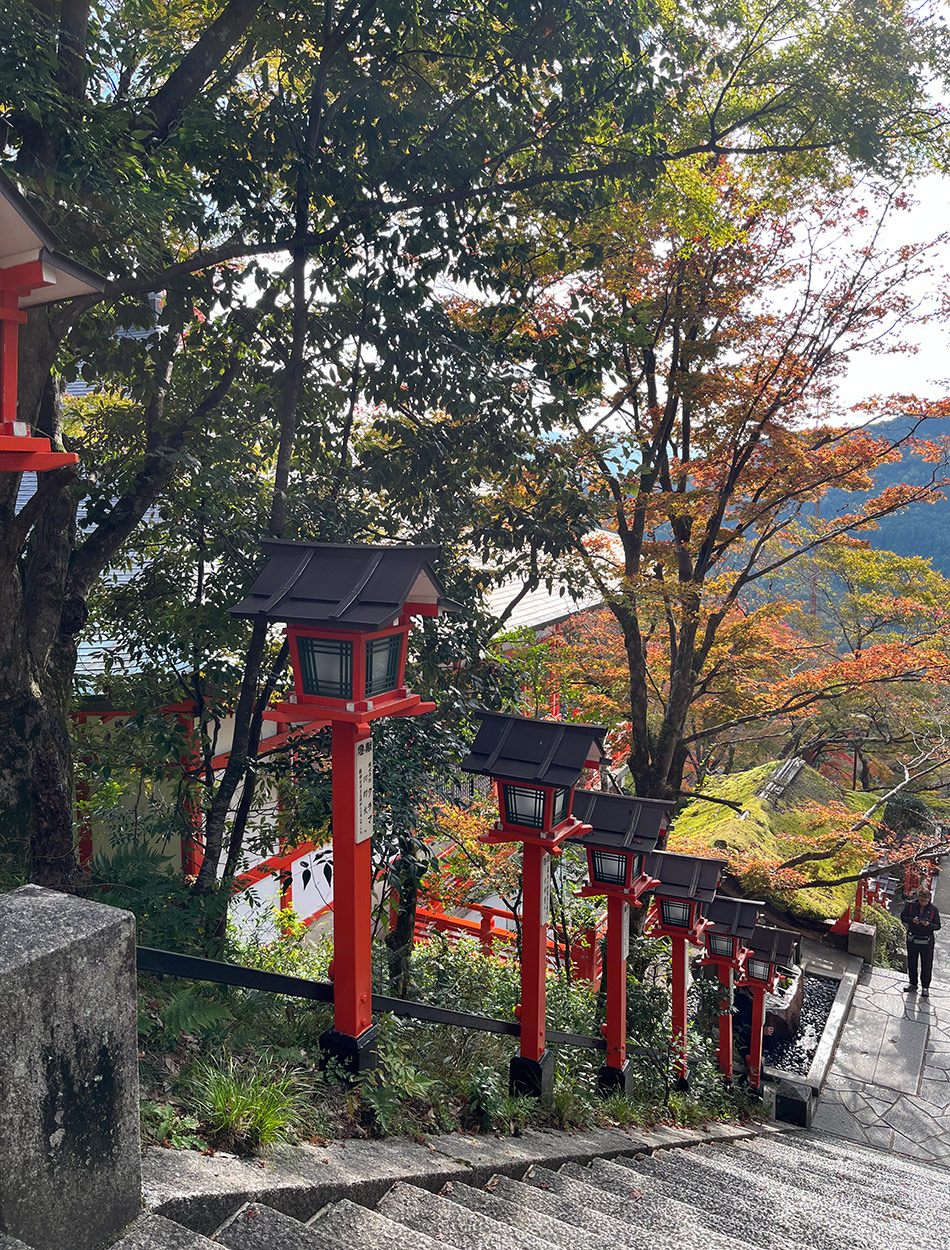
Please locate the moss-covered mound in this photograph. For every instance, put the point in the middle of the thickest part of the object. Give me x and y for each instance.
(770, 830)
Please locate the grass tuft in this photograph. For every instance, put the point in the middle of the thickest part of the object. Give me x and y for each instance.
(244, 1109)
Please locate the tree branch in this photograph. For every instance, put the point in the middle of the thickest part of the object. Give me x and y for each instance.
(184, 84)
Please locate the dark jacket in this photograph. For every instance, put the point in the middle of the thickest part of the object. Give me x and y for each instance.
(922, 922)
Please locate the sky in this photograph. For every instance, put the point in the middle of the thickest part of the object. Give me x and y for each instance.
(928, 372)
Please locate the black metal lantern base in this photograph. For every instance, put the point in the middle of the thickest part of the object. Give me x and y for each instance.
(351, 1054)
(533, 1078)
(615, 1080)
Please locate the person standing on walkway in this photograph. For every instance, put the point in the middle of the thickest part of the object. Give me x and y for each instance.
(922, 920)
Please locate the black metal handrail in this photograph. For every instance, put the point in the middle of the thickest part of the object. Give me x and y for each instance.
(170, 963)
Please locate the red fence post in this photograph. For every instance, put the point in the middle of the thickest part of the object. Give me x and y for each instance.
(617, 1071)
(724, 1052)
(754, 1059)
(353, 1037)
(532, 1069)
(484, 931)
(679, 962)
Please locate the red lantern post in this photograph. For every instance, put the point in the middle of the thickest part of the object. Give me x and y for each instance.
(623, 831)
(33, 271)
(535, 765)
(687, 884)
(732, 921)
(347, 610)
(770, 953)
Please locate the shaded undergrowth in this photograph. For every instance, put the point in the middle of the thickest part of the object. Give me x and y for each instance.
(240, 1070)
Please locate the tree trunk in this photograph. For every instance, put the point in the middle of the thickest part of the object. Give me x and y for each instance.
(37, 650)
(401, 938)
(37, 658)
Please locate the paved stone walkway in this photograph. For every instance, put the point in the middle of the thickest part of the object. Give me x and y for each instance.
(890, 1083)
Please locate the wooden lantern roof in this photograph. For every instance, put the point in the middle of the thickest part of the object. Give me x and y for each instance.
(734, 917)
(620, 822)
(344, 585)
(691, 877)
(26, 240)
(776, 946)
(538, 752)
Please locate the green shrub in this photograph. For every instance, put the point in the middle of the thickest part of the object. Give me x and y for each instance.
(513, 1114)
(168, 914)
(486, 1091)
(574, 1105)
(279, 941)
(891, 937)
(164, 1124)
(620, 1110)
(401, 1096)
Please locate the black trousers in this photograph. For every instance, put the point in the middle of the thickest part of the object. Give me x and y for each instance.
(925, 954)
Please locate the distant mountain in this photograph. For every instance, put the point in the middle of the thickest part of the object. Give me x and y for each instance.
(921, 529)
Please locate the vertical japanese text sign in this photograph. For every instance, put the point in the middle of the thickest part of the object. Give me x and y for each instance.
(364, 789)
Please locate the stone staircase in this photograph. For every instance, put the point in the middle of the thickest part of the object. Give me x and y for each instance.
(778, 1191)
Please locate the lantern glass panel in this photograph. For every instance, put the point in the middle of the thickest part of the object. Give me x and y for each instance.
(721, 945)
(326, 667)
(560, 806)
(675, 914)
(608, 868)
(524, 806)
(382, 664)
(759, 969)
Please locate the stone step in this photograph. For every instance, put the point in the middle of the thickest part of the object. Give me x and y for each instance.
(352, 1226)
(596, 1220)
(880, 1187)
(202, 1192)
(439, 1217)
(726, 1222)
(630, 1230)
(259, 1227)
(834, 1212)
(857, 1155)
(154, 1232)
(503, 1200)
(886, 1177)
(834, 1220)
(568, 1184)
(11, 1243)
(746, 1214)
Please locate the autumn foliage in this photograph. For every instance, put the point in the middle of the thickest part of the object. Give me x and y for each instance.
(696, 366)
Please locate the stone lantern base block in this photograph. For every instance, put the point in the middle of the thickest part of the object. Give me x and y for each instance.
(70, 1171)
(352, 1054)
(862, 941)
(533, 1078)
(615, 1080)
(794, 1103)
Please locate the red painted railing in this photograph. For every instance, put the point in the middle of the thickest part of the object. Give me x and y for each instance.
(584, 954)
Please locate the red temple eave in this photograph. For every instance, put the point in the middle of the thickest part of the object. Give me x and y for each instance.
(33, 271)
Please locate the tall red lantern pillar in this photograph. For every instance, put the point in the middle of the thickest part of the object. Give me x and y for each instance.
(770, 953)
(623, 831)
(33, 271)
(687, 885)
(732, 922)
(347, 610)
(535, 765)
